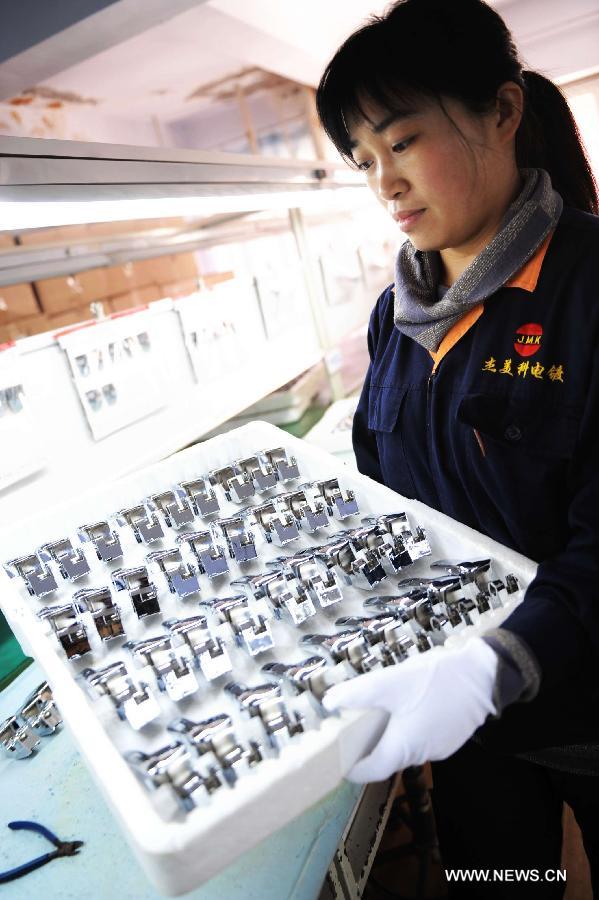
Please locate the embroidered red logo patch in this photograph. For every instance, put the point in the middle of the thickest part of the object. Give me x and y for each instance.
(528, 339)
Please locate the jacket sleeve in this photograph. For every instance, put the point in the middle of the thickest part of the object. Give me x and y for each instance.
(363, 439)
(559, 617)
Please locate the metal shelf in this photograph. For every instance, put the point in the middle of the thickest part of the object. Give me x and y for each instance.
(40, 169)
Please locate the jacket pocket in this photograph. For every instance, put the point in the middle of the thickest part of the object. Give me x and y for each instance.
(519, 462)
(385, 406)
(536, 426)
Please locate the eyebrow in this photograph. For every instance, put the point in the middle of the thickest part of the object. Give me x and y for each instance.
(387, 122)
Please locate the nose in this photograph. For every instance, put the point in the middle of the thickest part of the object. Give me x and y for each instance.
(390, 183)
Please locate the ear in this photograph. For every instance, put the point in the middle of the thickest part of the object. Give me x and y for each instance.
(509, 104)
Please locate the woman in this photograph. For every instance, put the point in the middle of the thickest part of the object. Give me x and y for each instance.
(481, 400)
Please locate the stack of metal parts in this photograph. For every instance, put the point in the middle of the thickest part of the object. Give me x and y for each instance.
(207, 621)
(37, 717)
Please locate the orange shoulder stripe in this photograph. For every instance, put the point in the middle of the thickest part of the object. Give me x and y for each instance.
(525, 278)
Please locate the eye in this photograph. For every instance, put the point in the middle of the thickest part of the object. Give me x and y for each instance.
(400, 146)
(364, 166)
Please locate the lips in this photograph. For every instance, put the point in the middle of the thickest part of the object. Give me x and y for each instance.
(406, 218)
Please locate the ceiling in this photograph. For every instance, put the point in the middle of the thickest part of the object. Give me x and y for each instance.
(142, 66)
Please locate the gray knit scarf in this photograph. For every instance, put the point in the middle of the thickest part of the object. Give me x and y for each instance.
(420, 314)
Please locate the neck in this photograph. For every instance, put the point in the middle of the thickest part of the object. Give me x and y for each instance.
(454, 260)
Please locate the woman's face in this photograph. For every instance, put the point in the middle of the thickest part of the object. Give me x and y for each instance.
(446, 188)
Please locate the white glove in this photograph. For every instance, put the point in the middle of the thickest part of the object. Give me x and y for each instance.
(435, 701)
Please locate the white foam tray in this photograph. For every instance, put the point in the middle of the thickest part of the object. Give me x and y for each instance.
(180, 851)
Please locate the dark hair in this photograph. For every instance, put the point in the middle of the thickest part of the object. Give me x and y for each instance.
(427, 49)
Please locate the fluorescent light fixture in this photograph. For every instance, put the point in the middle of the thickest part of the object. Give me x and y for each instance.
(22, 214)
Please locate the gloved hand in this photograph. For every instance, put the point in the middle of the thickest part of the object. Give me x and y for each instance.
(436, 701)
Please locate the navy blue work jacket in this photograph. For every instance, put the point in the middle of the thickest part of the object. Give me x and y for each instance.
(504, 437)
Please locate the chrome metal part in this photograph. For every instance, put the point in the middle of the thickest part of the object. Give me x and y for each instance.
(310, 513)
(171, 765)
(392, 548)
(68, 628)
(216, 736)
(239, 538)
(174, 506)
(407, 609)
(359, 566)
(106, 542)
(236, 484)
(307, 675)
(511, 584)
(277, 525)
(339, 505)
(204, 501)
(283, 591)
(386, 633)
(468, 571)
(182, 578)
(265, 701)
(317, 579)
(285, 466)
(415, 539)
(134, 703)
(347, 645)
(104, 611)
(173, 673)
(211, 557)
(259, 471)
(473, 572)
(38, 577)
(17, 739)
(142, 591)
(448, 591)
(251, 630)
(40, 712)
(209, 653)
(72, 563)
(144, 524)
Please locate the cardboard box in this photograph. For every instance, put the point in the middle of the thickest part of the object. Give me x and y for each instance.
(176, 289)
(6, 240)
(17, 301)
(185, 266)
(119, 279)
(23, 328)
(94, 283)
(137, 297)
(59, 294)
(70, 317)
(154, 271)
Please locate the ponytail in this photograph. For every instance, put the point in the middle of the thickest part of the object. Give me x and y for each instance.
(548, 138)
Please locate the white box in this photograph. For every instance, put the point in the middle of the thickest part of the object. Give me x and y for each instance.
(180, 851)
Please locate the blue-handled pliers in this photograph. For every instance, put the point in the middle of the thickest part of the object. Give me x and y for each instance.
(63, 848)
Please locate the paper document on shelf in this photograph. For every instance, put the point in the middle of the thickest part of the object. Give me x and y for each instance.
(19, 447)
(116, 368)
